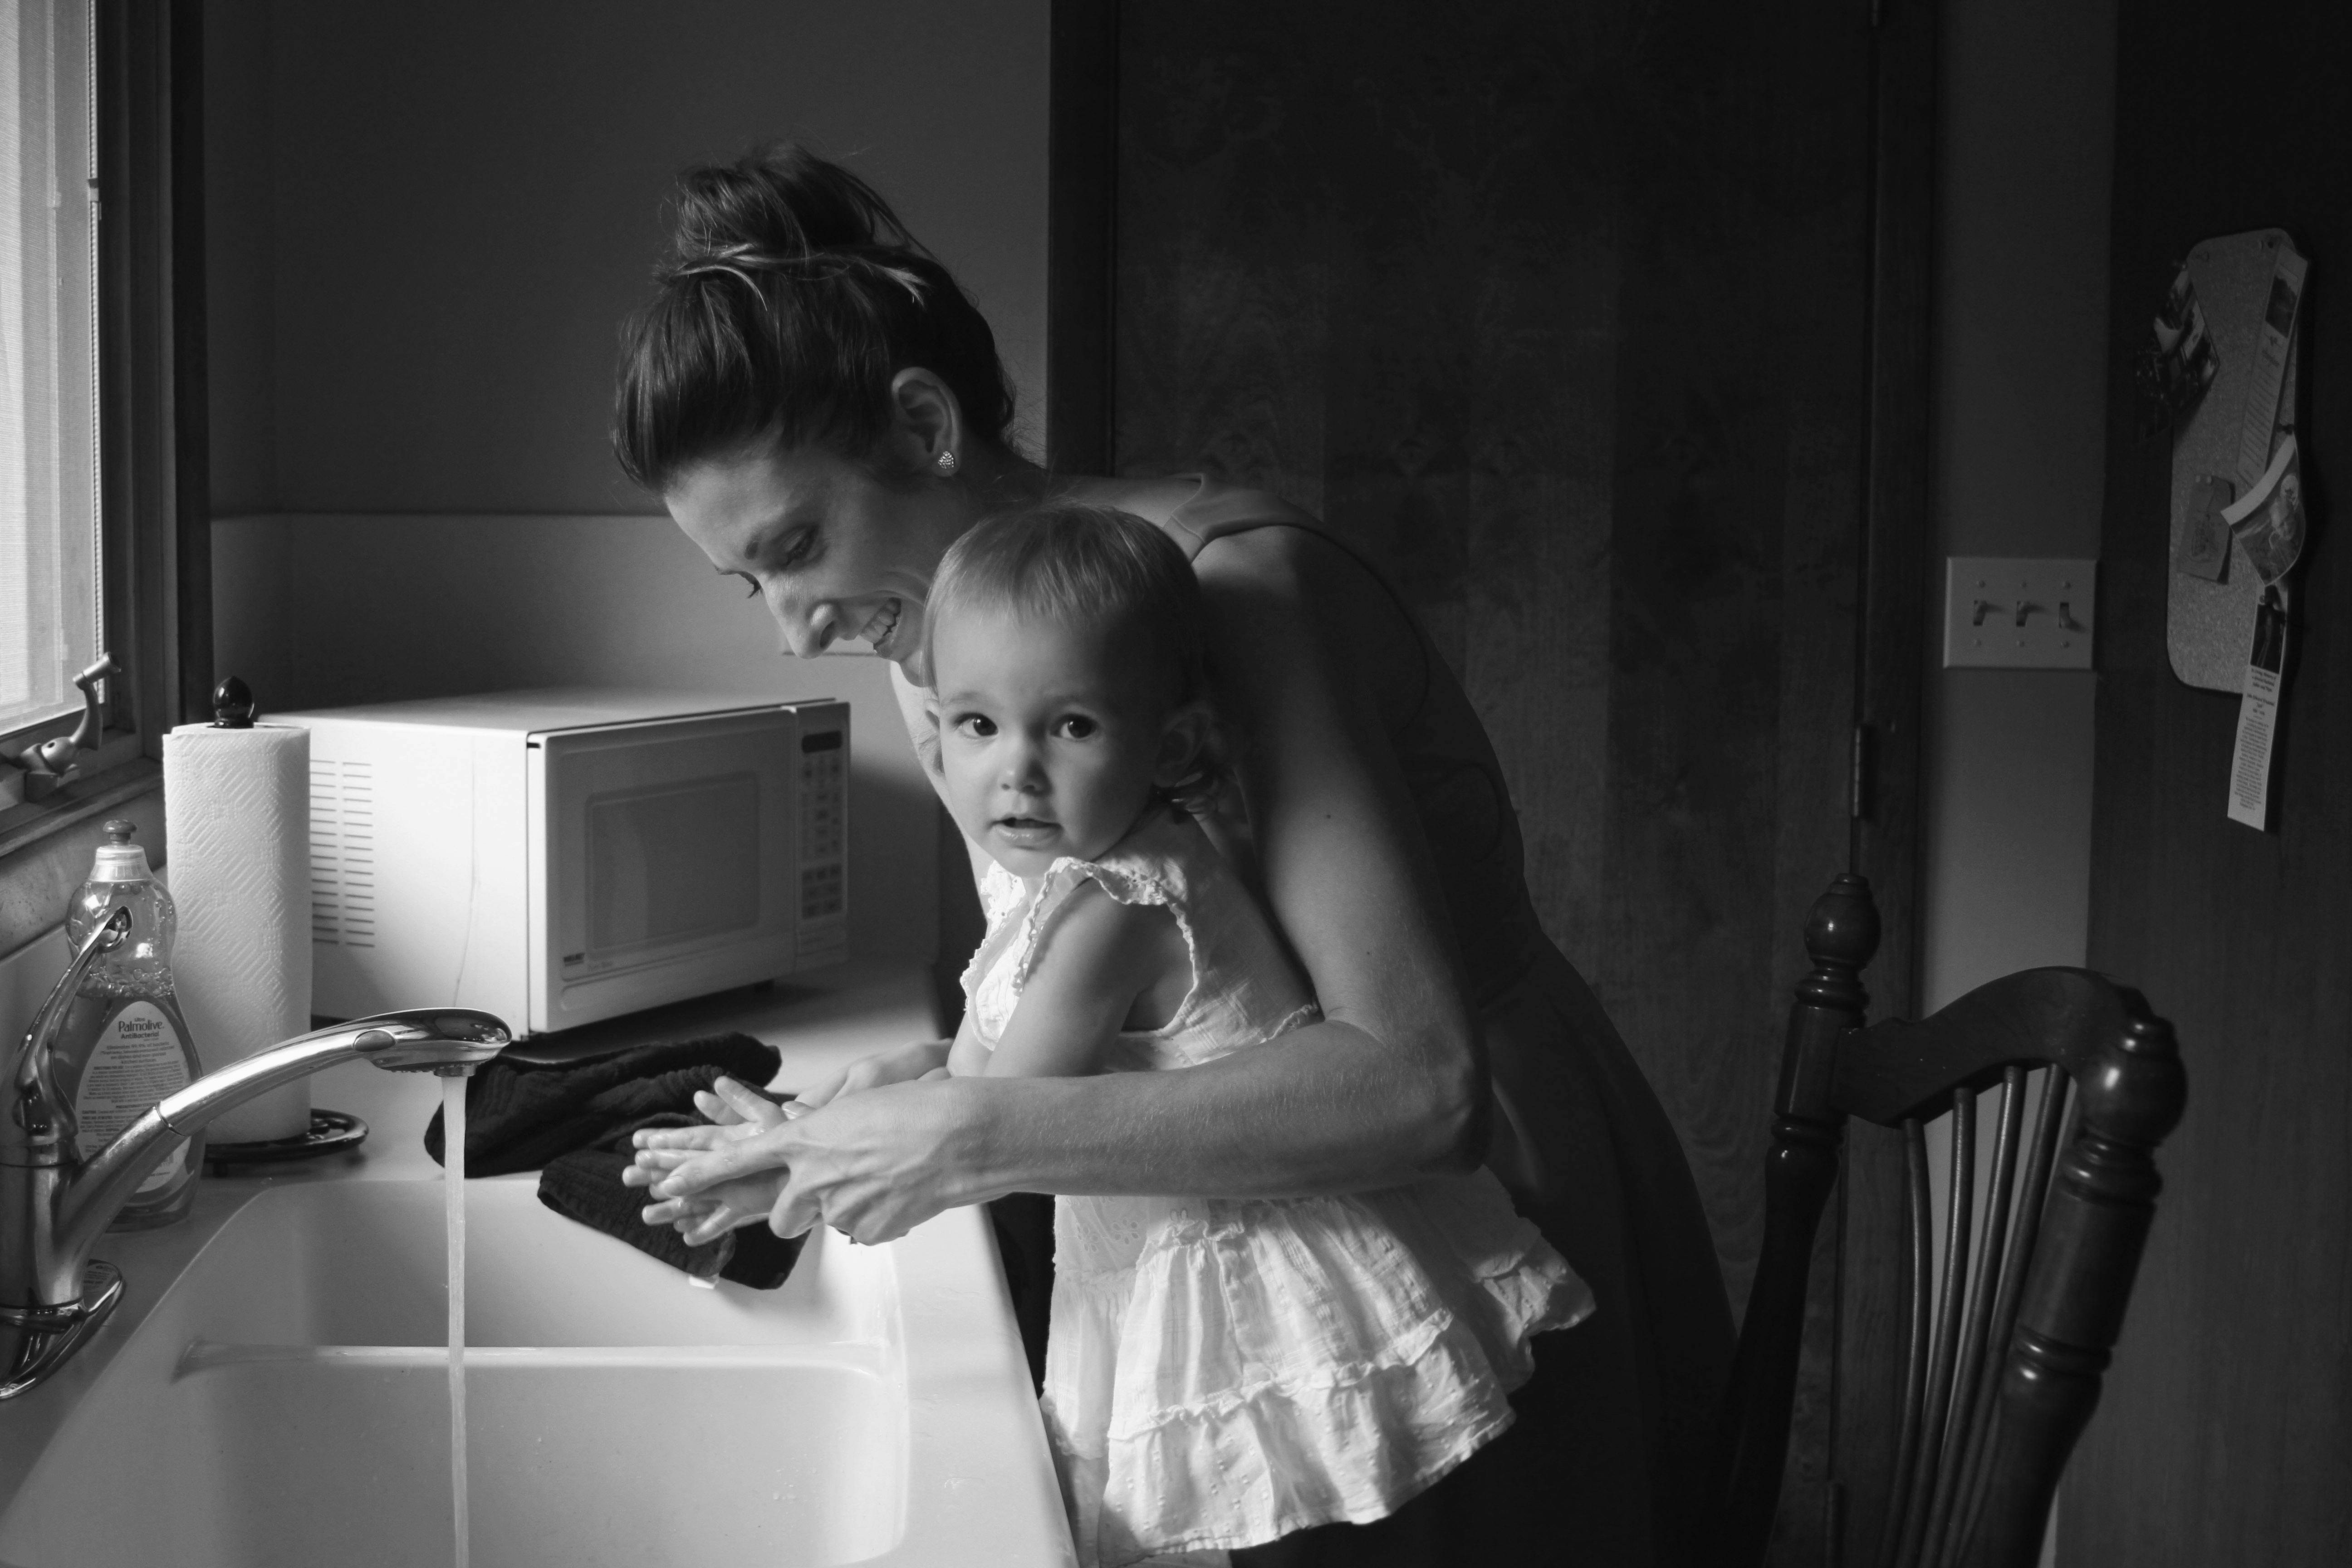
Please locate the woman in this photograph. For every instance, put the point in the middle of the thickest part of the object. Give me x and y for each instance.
(823, 412)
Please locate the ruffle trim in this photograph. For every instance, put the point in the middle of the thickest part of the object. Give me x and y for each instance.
(1293, 1455)
(1133, 888)
(1001, 896)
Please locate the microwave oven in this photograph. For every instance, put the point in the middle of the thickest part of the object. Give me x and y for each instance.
(559, 857)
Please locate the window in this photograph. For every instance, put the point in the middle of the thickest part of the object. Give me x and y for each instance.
(50, 555)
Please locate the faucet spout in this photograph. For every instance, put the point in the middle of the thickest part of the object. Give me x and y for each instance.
(447, 1040)
(52, 1211)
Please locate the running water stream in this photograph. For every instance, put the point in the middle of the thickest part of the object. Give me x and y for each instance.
(453, 1184)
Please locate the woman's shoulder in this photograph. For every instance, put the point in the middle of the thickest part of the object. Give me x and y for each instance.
(1196, 510)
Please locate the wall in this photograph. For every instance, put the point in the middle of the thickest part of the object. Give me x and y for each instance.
(429, 219)
(2026, 121)
(427, 222)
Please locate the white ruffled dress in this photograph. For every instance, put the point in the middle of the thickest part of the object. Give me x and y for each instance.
(1223, 1372)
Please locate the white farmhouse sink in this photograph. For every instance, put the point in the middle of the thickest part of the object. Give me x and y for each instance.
(284, 1404)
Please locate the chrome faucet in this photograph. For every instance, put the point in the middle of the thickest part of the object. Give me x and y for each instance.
(54, 1205)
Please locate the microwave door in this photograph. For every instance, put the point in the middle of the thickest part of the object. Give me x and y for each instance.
(666, 865)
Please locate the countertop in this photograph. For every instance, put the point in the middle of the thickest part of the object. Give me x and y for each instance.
(817, 1022)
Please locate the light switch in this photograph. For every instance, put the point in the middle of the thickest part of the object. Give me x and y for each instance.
(2005, 613)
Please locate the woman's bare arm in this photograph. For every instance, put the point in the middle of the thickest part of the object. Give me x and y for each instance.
(1391, 1086)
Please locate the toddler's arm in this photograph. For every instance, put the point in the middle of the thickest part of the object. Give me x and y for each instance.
(968, 1056)
(1096, 958)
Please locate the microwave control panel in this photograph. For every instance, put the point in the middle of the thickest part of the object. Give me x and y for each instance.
(824, 829)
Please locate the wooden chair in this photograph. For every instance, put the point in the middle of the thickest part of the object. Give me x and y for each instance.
(2002, 1373)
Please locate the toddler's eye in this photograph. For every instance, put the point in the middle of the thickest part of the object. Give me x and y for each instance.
(1077, 727)
(976, 726)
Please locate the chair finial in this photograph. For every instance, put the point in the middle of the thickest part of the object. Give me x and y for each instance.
(1843, 929)
(2137, 1090)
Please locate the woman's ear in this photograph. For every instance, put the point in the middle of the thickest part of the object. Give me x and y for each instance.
(1183, 745)
(926, 423)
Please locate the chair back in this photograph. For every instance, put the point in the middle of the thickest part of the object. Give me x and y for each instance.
(2002, 1356)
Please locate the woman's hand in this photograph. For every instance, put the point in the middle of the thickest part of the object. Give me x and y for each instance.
(872, 1165)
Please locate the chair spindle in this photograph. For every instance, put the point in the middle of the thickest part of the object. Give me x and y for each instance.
(1960, 1215)
(2050, 1122)
(1991, 1248)
(1918, 1282)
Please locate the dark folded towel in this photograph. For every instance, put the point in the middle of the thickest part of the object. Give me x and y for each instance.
(573, 1121)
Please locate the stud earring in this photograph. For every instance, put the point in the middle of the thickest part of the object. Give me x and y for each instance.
(946, 464)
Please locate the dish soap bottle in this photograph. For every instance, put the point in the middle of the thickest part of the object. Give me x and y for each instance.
(124, 1045)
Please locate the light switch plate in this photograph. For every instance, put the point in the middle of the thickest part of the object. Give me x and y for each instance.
(2014, 613)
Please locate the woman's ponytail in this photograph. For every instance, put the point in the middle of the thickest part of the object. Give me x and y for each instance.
(790, 297)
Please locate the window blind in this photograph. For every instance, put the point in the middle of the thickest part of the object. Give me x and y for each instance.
(50, 607)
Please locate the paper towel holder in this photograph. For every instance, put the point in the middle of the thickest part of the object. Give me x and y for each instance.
(232, 704)
(330, 1133)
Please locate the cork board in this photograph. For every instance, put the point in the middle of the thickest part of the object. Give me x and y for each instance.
(2209, 626)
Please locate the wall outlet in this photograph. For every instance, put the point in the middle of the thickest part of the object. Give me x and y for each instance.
(2005, 613)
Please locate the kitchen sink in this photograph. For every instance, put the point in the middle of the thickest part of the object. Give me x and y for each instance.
(284, 1404)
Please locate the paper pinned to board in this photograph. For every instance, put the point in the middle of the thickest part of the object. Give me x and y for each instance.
(2203, 549)
(2274, 340)
(2267, 523)
(2258, 708)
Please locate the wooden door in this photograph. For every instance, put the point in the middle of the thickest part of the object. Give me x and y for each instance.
(1572, 316)
(2221, 1435)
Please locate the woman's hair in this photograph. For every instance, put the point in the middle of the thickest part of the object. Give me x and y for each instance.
(1092, 565)
(790, 297)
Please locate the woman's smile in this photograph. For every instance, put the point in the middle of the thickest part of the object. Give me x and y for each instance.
(880, 625)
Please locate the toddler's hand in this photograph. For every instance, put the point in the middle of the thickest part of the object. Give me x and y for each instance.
(713, 1213)
(737, 1113)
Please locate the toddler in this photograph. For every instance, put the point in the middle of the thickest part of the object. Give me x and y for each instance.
(1219, 1372)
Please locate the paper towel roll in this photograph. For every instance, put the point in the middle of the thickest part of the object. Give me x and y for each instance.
(237, 810)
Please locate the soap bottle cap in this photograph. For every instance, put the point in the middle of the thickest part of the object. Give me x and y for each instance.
(119, 859)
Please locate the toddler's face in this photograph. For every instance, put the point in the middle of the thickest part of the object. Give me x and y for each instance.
(1051, 736)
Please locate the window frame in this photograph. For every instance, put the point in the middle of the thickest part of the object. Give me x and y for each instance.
(154, 509)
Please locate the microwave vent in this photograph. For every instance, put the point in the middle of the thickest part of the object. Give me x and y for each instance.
(342, 853)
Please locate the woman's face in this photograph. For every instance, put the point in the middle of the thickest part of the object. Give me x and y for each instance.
(838, 553)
